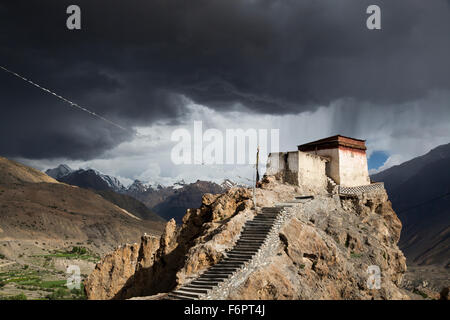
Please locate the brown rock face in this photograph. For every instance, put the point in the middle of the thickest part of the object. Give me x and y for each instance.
(324, 251)
(159, 265)
(113, 273)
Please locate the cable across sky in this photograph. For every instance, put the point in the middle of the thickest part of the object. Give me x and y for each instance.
(73, 104)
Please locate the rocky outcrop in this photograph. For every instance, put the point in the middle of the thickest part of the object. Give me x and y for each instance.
(326, 249)
(117, 267)
(181, 252)
(322, 250)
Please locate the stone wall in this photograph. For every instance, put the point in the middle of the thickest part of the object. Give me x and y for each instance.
(298, 168)
(347, 167)
(353, 169)
(332, 167)
(311, 171)
(374, 187)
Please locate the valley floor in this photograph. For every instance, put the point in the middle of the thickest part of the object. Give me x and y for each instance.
(37, 270)
(426, 281)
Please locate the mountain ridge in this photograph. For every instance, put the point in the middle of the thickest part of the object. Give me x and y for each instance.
(37, 207)
(168, 202)
(419, 190)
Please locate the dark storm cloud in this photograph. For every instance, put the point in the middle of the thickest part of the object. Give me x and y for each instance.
(132, 60)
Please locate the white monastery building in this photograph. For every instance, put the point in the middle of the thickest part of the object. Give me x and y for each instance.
(337, 160)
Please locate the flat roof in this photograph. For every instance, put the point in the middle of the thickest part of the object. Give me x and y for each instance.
(334, 142)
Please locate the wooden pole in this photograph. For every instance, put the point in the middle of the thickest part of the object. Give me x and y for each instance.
(257, 162)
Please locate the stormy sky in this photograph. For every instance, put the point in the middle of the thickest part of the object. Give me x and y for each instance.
(310, 68)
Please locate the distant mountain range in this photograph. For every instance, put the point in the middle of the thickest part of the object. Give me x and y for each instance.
(167, 201)
(86, 178)
(419, 190)
(35, 206)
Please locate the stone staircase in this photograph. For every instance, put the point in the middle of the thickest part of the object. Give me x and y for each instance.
(332, 186)
(255, 235)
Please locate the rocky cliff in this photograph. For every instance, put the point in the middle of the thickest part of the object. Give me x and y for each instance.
(322, 249)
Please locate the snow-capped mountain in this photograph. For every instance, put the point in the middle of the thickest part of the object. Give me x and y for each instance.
(86, 178)
(112, 182)
(59, 172)
(168, 200)
(138, 187)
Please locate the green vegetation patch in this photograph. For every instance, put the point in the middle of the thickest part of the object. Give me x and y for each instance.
(16, 297)
(76, 252)
(28, 280)
(355, 255)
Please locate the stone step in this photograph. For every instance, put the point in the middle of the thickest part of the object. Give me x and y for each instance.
(221, 270)
(260, 241)
(255, 231)
(178, 297)
(258, 226)
(231, 260)
(239, 254)
(248, 246)
(199, 286)
(205, 282)
(235, 249)
(217, 280)
(218, 273)
(224, 270)
(255, 240)
(191, 290)
(231, 264)
(304, 197)
(184, 294)
(258, 223)
(254, 237)
(247, 249)
(214, 276)
(240, 240)
(234, 259)
(255, 224)
(253, 234)
(272, 217)
(257, 234)
(243, 260)
(243, 256)
(284, 205)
